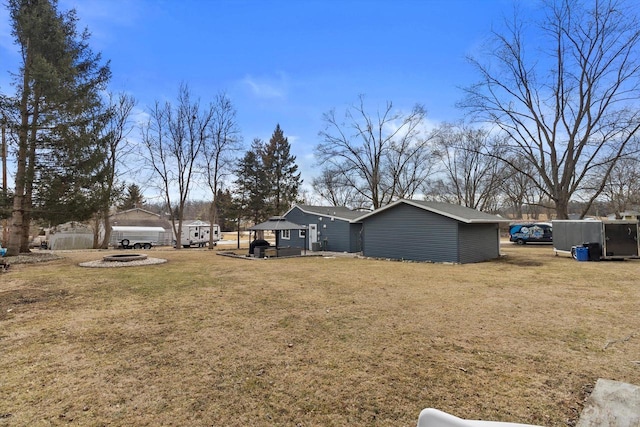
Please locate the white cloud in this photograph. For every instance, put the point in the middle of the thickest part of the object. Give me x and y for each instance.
(267, 87)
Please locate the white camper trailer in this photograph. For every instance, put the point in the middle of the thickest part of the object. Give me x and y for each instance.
(138, 237)
(196, 234)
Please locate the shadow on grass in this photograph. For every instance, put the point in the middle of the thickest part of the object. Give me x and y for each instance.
(518, 262)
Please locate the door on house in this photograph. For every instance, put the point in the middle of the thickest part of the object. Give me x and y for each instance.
(313, 235)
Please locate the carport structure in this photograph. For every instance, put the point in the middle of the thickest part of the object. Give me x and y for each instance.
(280, 225)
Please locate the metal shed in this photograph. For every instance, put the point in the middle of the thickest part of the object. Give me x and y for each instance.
(430, 231)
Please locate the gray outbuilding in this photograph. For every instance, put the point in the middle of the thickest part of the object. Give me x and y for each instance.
(329, 228)
(430, 231)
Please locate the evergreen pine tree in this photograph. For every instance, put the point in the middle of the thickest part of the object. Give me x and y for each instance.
(281, 173)
(58, 118)
(132, 199)
(251, 185)
(226, 210)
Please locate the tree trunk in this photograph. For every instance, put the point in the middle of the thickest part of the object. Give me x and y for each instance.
(562, 208)
(107, 230)
(17, 214)
(30, 176)
(213, 218)
(96, 231)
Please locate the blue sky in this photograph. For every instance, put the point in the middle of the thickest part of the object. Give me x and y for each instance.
(286, 62)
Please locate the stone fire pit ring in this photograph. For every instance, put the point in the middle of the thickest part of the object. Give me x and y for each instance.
(123, 260)
(124, 257)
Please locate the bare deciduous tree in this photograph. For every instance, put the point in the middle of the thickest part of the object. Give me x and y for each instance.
(519, 190)
(174, 138)
(622, 190)
(566, 93)
(333, 188)
(468, 177)
(116, 132)
(223, 141)
(383, 157)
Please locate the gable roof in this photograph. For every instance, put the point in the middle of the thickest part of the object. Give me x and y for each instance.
(338, 212)
(277, 223)
(138, 217)
(140, 210)
(457, 212)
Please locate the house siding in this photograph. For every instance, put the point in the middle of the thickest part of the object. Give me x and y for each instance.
(297, 217)
(355, 236)
(478, 242)
(339, 234)
(411, 233)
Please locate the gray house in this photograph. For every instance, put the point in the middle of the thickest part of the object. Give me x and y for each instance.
(430, 231)
(330, 228)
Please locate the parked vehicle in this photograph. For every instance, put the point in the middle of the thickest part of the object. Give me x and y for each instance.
(539, 232)
(128, 237)
(604, 240)
(196, 234)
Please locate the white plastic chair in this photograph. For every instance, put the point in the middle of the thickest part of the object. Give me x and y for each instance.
(431, 417)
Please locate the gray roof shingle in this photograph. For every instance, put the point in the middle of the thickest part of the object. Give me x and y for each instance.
(339, 212)
(457, 212)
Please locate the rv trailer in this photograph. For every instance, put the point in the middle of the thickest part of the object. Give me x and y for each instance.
(196, 234)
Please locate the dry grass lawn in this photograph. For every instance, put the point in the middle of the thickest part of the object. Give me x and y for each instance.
(206, 340)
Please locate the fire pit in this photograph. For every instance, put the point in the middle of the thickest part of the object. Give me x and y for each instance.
(123, 260)
(124, 257)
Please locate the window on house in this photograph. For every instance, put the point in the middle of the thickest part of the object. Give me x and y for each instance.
(285, 234)
(302, 233)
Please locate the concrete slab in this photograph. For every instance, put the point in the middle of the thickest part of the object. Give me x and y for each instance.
(612, 403)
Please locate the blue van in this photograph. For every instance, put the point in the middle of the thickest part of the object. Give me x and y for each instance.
(538, 232)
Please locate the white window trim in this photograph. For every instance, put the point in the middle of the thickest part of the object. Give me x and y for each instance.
(285, 234)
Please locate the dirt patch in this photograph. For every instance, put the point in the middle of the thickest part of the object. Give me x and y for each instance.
(31, 258)
(14, 301)
(518, 261)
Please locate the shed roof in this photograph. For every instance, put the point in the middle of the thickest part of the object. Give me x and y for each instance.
(195, 223)
(137, 228)
(277, 223)
(457, 212)
(136, 210)
(339, 212)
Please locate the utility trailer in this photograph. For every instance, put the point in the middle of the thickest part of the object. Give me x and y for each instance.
(135, 237)
(606, 240)
(196, 234)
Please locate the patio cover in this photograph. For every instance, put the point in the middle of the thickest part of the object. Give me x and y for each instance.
(277, 223)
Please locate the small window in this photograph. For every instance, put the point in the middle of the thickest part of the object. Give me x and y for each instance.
(285, 234)
(302, 233)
